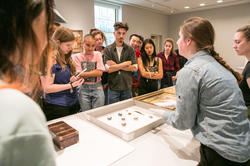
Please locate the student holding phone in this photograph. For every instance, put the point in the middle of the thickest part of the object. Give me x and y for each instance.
(61, 94)
(91, 93)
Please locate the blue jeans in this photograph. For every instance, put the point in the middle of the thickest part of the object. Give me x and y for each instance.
(91, 96)
(119, 95)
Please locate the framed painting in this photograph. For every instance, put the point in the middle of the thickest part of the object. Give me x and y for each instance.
(78, 45)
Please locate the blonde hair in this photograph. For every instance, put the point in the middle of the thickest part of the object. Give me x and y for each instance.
(46, 57)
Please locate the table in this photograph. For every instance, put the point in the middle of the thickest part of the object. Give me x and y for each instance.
(159, 147)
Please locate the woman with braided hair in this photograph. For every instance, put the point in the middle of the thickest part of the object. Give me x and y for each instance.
(209, 100)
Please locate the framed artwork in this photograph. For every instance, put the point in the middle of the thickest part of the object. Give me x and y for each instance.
(78, 45)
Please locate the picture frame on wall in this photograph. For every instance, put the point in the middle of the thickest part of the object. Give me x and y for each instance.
(78, 45)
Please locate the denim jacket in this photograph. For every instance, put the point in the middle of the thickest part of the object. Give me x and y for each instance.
(210, 103)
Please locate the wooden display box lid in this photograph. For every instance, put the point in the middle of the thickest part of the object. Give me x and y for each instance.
(161, 95)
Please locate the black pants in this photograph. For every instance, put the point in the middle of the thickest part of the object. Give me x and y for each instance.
(53, 111)
(209, 157)
(147, 86)
(167, 79)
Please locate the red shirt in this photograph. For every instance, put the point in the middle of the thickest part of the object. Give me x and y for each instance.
(136, 75)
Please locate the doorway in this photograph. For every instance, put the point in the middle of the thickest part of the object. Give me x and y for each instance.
(157, 39)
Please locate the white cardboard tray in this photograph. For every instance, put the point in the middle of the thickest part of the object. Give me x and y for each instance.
(98, 115)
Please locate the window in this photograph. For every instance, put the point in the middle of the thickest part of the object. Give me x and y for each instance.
(105, 17)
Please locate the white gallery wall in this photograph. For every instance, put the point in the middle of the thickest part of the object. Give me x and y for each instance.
(80, 15)
(225, 21)
(145, 22)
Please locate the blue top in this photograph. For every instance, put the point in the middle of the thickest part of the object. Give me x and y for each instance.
(210, 103)
(63, 98)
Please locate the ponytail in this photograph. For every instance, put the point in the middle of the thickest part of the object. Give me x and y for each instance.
(202, 33)
(220, 60)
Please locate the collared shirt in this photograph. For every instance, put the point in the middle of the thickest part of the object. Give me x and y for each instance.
(170, 67)
(120, 80)
(170, 64)
(91, 62)
(210, 103)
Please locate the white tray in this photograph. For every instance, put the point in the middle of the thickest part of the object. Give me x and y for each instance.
(130, 127)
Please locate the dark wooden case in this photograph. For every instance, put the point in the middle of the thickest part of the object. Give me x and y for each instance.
(63, 134)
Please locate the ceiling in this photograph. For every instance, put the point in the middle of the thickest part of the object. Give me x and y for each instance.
(170, 7)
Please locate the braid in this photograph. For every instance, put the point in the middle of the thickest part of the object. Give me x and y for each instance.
(219, 59)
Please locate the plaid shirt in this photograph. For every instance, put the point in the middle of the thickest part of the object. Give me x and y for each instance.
(171, 64)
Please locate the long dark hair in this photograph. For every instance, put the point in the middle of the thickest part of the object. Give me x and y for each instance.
(144, 56)
(16, 34)
(202, 32)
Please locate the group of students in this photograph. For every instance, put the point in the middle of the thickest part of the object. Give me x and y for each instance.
(208, 95)
(107, 75)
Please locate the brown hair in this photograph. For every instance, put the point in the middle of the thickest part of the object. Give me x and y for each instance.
(17, 34)
(96, 32)
(246, 31)
(46, 57)
(64, 35)
(202, 33)
(170, 40)
(119, 25)
(88, 36)
(92, 30)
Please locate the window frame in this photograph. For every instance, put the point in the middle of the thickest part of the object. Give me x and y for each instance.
(118, 13)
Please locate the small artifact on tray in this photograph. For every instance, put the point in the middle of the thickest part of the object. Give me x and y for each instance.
(135, 118)
(119, 114)
(63, 134)
(123, 124)
(139, 112)
(150, 116)
(129, 113)
(123, 119)
(109, 117)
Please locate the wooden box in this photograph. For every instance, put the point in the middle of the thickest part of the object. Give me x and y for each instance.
(63, 134)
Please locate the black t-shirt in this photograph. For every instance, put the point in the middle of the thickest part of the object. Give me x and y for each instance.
(243, 85)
